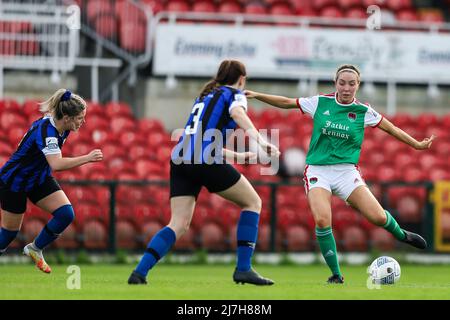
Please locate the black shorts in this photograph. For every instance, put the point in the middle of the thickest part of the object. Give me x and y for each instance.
(188, 179)
(16, 202)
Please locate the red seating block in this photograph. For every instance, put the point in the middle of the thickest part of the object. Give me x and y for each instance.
(212, 237)
(95, 235)
(178, 6)
(382, 240)
(298, 238)
(229, 7)
(354, 238)
(126, 235)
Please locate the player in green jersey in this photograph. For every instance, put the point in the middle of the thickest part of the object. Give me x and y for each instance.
(331, 164)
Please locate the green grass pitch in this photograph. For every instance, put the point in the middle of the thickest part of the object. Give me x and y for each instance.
(208, 282)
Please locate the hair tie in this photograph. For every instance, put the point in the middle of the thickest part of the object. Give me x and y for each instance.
(66, 96)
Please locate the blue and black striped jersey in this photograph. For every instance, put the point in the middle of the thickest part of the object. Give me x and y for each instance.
(210, 121)
(28, 167)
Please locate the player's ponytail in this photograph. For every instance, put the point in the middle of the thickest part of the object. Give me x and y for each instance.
(61, 103)
(228, 74)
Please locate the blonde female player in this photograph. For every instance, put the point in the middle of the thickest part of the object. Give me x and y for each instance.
(339, 122)
(27, 174)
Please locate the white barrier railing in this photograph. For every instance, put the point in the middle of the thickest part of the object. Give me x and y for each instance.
(38, 37)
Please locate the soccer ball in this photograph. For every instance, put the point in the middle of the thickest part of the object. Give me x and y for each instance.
(384, 270)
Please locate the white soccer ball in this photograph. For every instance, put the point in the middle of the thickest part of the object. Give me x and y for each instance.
(384, 270)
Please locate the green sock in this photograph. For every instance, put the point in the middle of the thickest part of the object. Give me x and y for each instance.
(328, 248)
(393, 227)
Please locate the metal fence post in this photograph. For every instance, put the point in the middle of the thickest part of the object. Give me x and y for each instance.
(273, 216)
(112, 217)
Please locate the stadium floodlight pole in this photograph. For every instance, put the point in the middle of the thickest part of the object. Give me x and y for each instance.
(391, 98)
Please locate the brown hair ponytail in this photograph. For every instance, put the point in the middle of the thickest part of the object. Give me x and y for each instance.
(228, 74)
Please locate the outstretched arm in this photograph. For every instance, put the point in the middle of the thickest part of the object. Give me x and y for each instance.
(238, 157)
(58, 163)
(401, 135)
(239, 116)
(276, 101)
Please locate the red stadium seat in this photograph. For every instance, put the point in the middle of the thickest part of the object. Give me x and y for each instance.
(396, 5)
(85, 212)
(80, 194)
(127, 11)
(126, 235)
(348, 4)
(6, 148)
(410, 209)
(105, 25)
(95, 8)
(155, 5)
(15, 135)
(116, 109)
(101, 136)
(112, 151)
(121, 124)
(412, 174)
(407, 16)
(130, 138)
(95, 235)
(344, 217)
(379, 3)
(255, 8)
(298, 238)
(81, 148)
(149, 229)
(331, 12)
(356, 13)
(230, 7)
(382, 240)
(68, 239)
(133, 36)
(203, 6)
(354, 239)
(145, 168)
(137, 152)
(144, 212)
(439, 174)
(30, 107)
(147, 125)
(320, 4)
(31, 228)
(178, 6)
(281, 9)
(212, 237)
(10, 119)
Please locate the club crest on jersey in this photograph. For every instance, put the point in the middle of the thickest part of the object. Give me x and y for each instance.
(312, 180)
(351, 116)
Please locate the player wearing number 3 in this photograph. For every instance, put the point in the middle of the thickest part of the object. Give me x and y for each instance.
(197, 161)
(339, 123)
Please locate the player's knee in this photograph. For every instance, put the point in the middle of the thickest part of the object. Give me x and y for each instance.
(65, 214)
(254, 205)
(323, 222)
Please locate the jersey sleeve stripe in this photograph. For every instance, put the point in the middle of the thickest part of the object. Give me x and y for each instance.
(305, 178)
(298, 105)
(378, 122)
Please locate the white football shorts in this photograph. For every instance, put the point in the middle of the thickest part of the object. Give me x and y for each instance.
(339, 179)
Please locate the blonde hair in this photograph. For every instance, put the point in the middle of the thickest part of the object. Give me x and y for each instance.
(61, 103)
(348, 68)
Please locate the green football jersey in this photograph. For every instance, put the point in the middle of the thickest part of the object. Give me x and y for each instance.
(338, 129)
